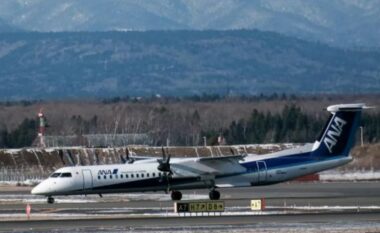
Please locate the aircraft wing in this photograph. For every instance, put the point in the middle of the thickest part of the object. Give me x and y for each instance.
(236, 157)
(208, 166)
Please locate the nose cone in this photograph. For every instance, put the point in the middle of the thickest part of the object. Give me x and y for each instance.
(40, 189)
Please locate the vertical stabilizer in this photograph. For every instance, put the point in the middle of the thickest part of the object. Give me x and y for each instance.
(338, 137)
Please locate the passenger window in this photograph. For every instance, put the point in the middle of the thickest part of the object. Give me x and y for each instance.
(98, 177)
(147, 174)
(105, 177)
(110, 176)
(126, 176)
(159, 174)
(131, 175)
(67, 174)
(137, 175)
(142, 175)
(154, 174)
(55, 175)
(121, 176)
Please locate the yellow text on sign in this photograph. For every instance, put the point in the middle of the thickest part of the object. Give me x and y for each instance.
(206, 206)
(202, 206)
(256, 204)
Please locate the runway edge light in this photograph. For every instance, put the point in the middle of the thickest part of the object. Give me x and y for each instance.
(28, 210)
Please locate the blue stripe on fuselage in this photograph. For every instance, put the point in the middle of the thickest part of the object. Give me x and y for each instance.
(287, 161)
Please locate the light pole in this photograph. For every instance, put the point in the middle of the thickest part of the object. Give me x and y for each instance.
(361, 135)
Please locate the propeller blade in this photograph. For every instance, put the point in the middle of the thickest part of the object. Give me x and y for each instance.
(123, 160)
(127, 153)
(164, 163)
(163, 154)
(232, 151)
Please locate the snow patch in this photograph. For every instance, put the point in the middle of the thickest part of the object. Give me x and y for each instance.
(28, 182)
(349, 176)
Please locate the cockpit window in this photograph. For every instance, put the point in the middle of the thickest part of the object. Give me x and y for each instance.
(67, 174)
(55, 175)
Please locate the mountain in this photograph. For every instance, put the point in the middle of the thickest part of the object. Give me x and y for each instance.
(337, 22)
(5, 27)
(104, 64)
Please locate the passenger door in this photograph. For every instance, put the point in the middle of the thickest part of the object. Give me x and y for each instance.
(262, 171)
(87, 179)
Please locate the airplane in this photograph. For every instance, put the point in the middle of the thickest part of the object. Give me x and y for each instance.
(330, 150)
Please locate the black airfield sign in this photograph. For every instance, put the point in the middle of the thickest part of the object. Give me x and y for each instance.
(199, 206)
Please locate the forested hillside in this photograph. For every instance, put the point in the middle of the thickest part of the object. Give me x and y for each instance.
(184, 122)
(177, 63)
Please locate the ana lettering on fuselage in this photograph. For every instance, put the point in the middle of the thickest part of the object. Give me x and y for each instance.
(107, 172)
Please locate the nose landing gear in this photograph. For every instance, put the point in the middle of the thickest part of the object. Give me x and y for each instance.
(50, 200)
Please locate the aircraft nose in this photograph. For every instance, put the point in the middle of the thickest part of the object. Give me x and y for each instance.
(36, 190)
(40, 189)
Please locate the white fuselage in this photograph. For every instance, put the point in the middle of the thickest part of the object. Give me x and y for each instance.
(144, 176)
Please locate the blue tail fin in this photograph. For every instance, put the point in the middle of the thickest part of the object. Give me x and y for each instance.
(338, 137)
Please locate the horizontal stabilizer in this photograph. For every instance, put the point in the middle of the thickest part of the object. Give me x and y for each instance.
(347, 107)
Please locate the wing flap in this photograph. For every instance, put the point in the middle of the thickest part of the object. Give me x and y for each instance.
(209, 166)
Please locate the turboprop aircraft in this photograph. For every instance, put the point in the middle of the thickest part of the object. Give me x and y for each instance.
(331, 149)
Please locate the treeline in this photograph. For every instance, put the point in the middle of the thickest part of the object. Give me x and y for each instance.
(203, 98)
(22, 136)
(291, 124)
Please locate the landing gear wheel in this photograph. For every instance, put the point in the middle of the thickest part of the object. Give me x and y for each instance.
(50, 200)
(176, 195)
(214, 195)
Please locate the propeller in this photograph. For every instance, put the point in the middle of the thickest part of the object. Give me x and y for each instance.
(243, 154)
(164, 166)
(232, 151)
(164, 163)
(123, 160)
(128, 159)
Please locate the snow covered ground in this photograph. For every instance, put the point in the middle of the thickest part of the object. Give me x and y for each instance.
(349, 176)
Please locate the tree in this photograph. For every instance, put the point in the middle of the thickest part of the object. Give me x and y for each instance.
(24, 135)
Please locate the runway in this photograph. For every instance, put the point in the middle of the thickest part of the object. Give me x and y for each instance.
(344, 221)
(290, 206)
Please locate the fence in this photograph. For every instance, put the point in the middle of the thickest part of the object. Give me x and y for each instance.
(23, 174)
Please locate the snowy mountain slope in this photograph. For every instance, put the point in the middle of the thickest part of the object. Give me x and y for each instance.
(339, 22)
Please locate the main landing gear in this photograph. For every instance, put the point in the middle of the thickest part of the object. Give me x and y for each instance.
(50, 200)
(214, 195)
(176, 195)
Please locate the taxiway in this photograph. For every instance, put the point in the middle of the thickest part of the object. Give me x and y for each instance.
(292, 206)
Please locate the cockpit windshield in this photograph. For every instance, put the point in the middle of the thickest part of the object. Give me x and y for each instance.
(64, 175)
(54, 175)
(67, 174)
